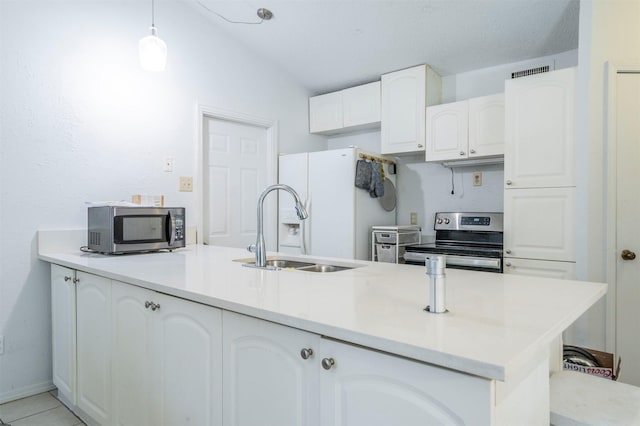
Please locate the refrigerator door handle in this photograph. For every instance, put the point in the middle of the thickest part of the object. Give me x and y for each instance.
(303, 226)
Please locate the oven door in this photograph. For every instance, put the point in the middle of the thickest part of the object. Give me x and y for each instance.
(475, 263)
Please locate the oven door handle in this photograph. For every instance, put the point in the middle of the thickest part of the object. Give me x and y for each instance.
(453, 260)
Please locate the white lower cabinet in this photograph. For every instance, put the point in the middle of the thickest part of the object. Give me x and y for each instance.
(63, 330)
(93, 310)
(365, 387)
(268, 377)
(276, 375)
(167, 359)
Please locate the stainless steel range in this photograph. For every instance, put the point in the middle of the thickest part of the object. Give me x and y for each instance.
(469, 240)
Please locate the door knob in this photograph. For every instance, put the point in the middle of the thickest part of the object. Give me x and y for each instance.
(327, 363)
(627, 255)
(306, 353)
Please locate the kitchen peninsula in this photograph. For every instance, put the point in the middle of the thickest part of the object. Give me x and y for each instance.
(347, 347)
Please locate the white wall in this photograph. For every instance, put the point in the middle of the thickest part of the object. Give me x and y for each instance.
(80, 121)
(609, 32)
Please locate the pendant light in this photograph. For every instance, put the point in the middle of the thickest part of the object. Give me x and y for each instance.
(153, 51)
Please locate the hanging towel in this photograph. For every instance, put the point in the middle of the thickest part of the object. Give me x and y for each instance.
(377, 185)
(363, 174)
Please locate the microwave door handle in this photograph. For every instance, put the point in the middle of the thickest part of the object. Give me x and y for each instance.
(171, 224)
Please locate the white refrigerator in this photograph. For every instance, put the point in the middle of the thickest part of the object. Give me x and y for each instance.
(340, 215)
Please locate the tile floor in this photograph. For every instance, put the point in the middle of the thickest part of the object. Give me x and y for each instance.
(39, 410)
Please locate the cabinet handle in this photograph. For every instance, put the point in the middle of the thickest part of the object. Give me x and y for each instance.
(473, 151)
(508, 264)
(509, 182)
(153, 306)
(306, 353)
(67, 278)
(508, 251)
(76, 280)
(327, 363)
(461, 152)
(420, 145)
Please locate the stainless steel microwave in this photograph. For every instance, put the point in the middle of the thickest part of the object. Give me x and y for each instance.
(117, 230)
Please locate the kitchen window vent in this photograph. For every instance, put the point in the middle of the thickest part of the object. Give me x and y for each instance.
(530, 71)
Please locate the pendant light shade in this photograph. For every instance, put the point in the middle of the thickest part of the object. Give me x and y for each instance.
(152, 50)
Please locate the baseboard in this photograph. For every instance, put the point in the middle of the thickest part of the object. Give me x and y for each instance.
(26, 391)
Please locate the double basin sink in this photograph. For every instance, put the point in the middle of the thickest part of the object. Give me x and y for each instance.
(298, 265)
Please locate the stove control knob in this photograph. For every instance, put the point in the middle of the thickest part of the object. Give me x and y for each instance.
(439, 220)
(446, 221)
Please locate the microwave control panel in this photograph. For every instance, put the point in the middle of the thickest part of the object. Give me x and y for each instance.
(179, 220)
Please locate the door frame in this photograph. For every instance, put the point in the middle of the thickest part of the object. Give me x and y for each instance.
(271, 127)
(611, 151)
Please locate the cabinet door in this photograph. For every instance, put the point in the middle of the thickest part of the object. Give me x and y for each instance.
(325, 112)
(402, 110)
(361, 105)
(447, 131)
(539, 130)
(365, 387)
(266, 380)
(539, 223)
(132, 355)
(187, 363)
(486, 126)
(63, 321)
(540, 268)
(94, 346)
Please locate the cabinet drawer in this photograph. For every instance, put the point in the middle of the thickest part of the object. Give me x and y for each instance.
(397, 238)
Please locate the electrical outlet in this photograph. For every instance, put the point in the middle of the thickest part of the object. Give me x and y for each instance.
(414, 218)
(1, 345)
(186, 184)
(477, 179)
(168, 164)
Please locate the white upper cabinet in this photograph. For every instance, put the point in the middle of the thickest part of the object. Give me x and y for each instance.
(486, 126)
(405, 95)
(350, 109)
(447, 131)
(361, 105)
(472, 128)
(539, 146)
(325, 112)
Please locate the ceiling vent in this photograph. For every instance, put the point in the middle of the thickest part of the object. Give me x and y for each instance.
(530, 71)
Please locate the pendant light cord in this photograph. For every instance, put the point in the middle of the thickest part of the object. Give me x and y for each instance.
(153, 14)
(229, 20)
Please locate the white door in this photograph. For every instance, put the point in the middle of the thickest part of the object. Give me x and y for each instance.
(94, 346)
(187, 361)
(267, 380)
(235, 173)
(365, 387)
(447, 131)
(332, 197)
(628, 228)
(131, 362)
(63, 320)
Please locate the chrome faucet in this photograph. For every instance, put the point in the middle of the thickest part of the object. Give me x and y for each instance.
(259, 247)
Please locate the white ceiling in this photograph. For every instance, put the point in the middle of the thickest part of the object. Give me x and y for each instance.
(330, 44)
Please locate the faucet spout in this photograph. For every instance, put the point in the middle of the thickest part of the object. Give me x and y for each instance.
(261, 255)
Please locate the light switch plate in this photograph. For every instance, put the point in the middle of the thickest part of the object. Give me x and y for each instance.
(186, 184)
(168, 164)
(414, 218)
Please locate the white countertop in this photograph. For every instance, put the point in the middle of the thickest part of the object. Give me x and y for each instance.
(497, 325)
